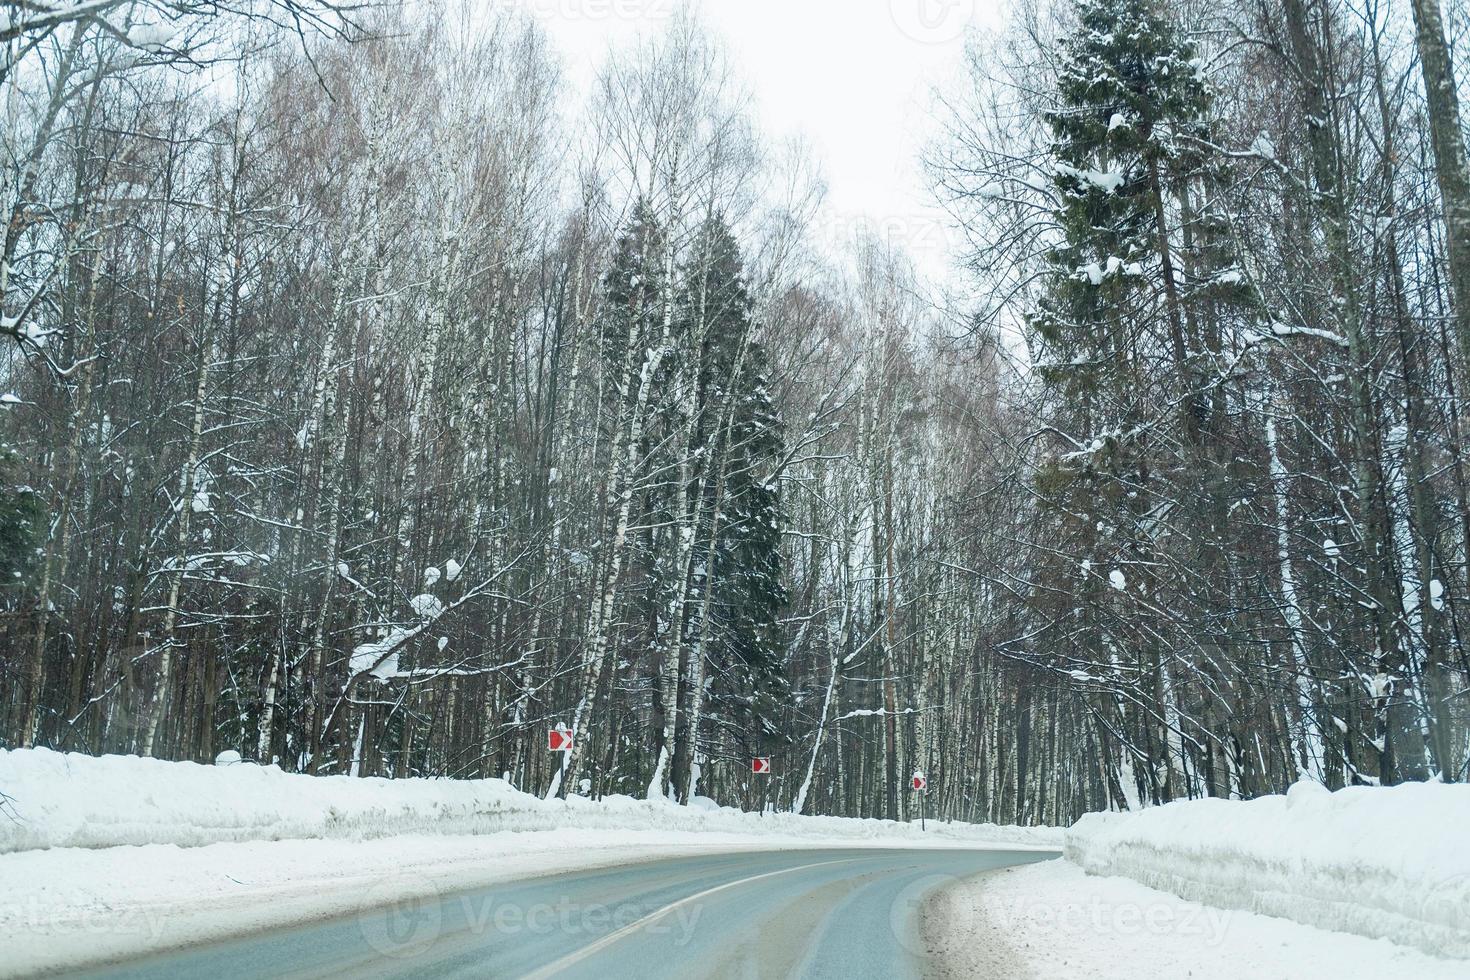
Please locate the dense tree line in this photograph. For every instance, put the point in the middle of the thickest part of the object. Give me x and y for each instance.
(1227, 243)
(376, 401)
(377, 407)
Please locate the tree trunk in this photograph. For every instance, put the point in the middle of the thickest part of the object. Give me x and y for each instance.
(1451, 169)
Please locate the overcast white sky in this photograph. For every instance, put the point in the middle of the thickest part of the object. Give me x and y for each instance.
(854, 77)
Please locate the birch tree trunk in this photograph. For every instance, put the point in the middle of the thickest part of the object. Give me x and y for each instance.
(163, 686)
(53, 564)
(621, 483)
(1448, 139)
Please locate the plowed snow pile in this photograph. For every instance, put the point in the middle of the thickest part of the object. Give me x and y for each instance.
(68, 800)
(1391, 863)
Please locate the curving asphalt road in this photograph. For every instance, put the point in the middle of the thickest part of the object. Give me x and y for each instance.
(841, 913)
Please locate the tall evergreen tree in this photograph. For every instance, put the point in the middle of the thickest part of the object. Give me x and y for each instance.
(1127, 328)
(735, 583)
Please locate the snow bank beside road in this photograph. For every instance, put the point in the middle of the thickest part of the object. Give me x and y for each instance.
(1388, 863)
(1051, 920)
(71, 908)
(69, 800)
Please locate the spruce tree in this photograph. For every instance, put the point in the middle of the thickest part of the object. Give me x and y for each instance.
(1131, 110)
(739, 563)
(1127, 325)
(633, 287)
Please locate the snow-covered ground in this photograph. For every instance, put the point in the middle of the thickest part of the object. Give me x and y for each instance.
(69, 907)
(102, 858)
(1388, 863)
(119, 856)
(1365, 882)
(1054, 920)
(69, 800)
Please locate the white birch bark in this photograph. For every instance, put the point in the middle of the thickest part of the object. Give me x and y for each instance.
(1451, 167)
(1308, 748)
(188, 476)
(620, 483)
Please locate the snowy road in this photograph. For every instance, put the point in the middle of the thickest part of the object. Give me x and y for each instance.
(809, 913)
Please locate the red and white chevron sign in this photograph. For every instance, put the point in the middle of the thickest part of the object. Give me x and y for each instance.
(559, 740)
(920, 781)
(761, 764)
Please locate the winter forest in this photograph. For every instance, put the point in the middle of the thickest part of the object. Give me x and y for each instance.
(375, 400)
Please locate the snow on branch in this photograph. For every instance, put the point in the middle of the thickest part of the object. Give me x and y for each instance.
(379, 658)
(1284, 330)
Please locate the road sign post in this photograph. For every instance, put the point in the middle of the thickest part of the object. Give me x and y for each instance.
(920, 784)
(558, 739)
(761, 766)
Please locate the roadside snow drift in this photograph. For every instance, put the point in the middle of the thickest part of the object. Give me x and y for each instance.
(1049, 919)
(1391, 863)
(69, 800)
